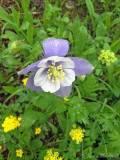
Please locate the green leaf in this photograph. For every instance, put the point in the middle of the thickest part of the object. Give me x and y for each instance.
(91, 10)
(75, 26)
(117, 34)
(30, 117)
(50, 12)
(115, 21)
(92, 106)
(45, 103)
(10, 89)
(16, 16)
(30, 34)
(62, 122)
(80, 36)
(24, 139)
(117, 106)
(28, 17)
(35, 144)
(5, 16)
(25, 25)
(102, 17)
(54, 129)
(41, 34)
(35, 52)
(115, 46)
(89, 51)
(10, 35)
(90, 7)
(10, 61)
(25, 4)
(115, 137)
(89, 87)
(101, 29)
(1, 156)
(78, 113)
(81, 40)
(109, 152)
(2, 78)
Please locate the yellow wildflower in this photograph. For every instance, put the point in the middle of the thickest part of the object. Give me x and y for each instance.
(24, 81)
(19, 153)
(107, 57)
(51, 156)
(66, 99)
(11, 123)
(0, 147)
(77, 134)
(57, 140)
(19, 111)
(37, 131)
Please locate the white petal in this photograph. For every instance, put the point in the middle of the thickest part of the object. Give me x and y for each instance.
(68, 78)
(55, 59)
(43, 64)
(40, 77)
(67, 64)
(49, 86)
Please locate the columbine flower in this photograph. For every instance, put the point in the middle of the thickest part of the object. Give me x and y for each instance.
(55, 73)
(107, 57)
(24, 81)
(51, 156)
(10, 123)
(37, 131)
(19, 153)
(77, 134)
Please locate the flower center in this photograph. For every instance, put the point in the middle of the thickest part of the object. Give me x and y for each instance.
(56, 74)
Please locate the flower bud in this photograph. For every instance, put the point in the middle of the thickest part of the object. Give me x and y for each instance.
(82, 78)
(16, 46)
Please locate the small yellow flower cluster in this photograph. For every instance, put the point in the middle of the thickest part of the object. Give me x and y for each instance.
(19, 153)
(77, 134)
(24, 81)
(37, 131)
(11, 123)
(107, 57)
(51, 156)
(0, 147)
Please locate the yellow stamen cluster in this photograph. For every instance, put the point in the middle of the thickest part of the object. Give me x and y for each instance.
(51, 156)
(0, 147)
(55, 73)
(19, 153)
(37, 131)
(10, 123)
(77, 134)
(24, 81)
(107, 57)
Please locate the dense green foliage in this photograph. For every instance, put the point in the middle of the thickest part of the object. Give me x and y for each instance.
(94, 103)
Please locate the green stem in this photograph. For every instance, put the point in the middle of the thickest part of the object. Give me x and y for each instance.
(104, 104)
(82, 151)
(79, 95)
(103, 139)
(17, 4)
